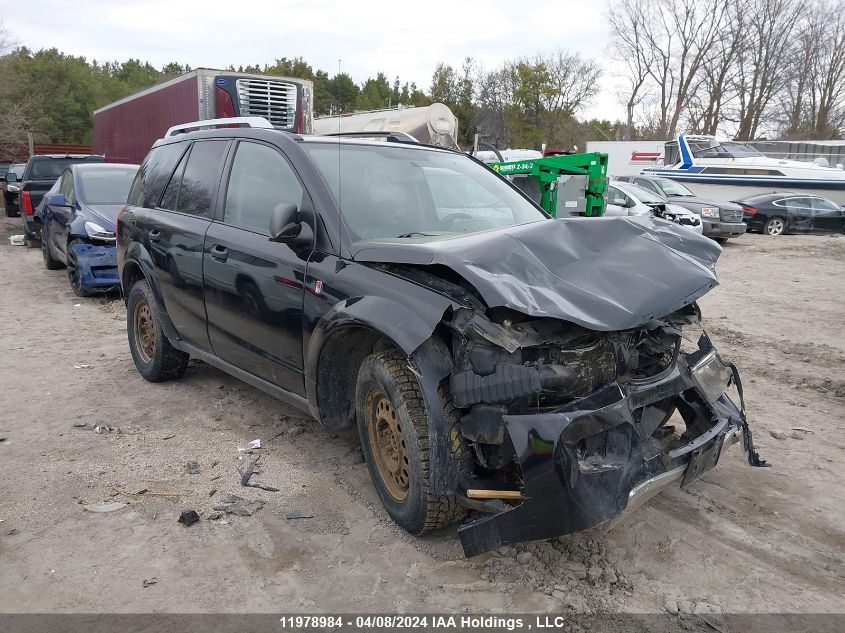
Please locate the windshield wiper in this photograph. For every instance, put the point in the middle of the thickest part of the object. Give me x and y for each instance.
(417, 234)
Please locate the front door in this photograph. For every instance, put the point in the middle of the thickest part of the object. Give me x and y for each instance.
(253, 286)
(827, 216)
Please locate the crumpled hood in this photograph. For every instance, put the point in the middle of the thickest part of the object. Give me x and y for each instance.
(695, 203)
(103, 214)
(602, 273)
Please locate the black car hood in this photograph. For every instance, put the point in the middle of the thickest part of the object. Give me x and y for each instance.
(694, 202)
(602, 273)
(103, 214)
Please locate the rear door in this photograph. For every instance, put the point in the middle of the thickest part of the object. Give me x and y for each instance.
(254, 287)
(175, 234)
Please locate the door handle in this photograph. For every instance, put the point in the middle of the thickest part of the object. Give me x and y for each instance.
(220, 253)
(155, 235)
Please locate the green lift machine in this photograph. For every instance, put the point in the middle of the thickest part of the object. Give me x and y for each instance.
(548, 170)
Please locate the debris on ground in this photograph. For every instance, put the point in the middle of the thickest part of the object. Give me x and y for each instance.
(263, 487)
(296, 430)
(82, 366)
(193, 468)
(778, 435)
(80, 425)
(149, 582)
(247, 474)
(296, 514)
(233, 504)
(254, 444)
(169, 437)
(217, 514)
(109, 506)
(17, 240)
(212, 492)
(189, 517)
(102, 428)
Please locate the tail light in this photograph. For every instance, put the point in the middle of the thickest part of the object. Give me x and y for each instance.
(223, 106)
(26, 202)
(749, 210)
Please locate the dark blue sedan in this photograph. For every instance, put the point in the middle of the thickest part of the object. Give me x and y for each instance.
(78, 217)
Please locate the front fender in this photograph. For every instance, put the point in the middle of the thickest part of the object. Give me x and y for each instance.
(405, 327)
(138, 255)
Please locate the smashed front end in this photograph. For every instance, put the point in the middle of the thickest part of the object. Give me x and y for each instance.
(568, 426)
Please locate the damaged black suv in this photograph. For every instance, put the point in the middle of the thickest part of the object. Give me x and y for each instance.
(534, 376)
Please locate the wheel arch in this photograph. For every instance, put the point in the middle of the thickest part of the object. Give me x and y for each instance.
(138, 266)
(349, 332)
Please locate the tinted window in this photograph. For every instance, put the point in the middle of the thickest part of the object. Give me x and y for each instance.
(200, 177)
(108, 186)
(171, 193)
(154, 174)
(646, 184)
(260, 180)
(821, 204)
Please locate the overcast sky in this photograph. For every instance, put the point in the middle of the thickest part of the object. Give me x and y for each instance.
(397, 38)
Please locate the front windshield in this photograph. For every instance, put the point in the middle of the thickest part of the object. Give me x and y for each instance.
(673, 188)
(729, 149)
(740, 150)
(106, 186)
(643, 195)
(17, 169)
(387, 191)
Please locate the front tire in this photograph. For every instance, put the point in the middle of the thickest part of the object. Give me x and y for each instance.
(775, 226)
(74, 275)
(156, 359)
(393, 426)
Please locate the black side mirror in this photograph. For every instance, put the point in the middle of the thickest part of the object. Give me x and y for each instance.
(286, 226)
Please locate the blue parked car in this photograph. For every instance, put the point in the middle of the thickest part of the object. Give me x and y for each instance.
(78, 217)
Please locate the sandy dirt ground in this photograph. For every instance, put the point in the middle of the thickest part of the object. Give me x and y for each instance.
(740, 540)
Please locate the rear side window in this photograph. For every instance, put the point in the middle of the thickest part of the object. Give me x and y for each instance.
(154, 174)
(261, 179)
(192, 186)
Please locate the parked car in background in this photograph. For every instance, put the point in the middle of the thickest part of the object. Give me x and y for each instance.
(4, 167)
(12, 189)
(77, 218)
(778, 213)
(38, 177)
(721, 220)
(484, 350)
(623, 198)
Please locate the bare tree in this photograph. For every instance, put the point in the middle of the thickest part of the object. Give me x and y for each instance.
(829, 74)
(763, 60)
(628, 20)
(14, 117)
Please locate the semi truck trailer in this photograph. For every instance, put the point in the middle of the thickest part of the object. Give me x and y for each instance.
(125, 130)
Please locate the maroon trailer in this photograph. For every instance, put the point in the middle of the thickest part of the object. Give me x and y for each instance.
(125, 130)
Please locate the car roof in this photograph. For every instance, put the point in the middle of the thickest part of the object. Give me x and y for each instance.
(86, 167)
(37, 156)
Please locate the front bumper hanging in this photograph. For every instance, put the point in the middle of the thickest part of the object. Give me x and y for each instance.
(588, 461)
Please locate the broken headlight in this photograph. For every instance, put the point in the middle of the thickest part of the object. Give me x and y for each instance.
(712, 376)
(710, 212)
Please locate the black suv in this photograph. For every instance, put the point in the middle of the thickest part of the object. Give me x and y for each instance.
(39, 175)
(499, 364)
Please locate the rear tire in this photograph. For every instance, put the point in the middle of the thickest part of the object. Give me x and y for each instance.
(393, 426)
(775, 226)
(156, 359)
(50, 263)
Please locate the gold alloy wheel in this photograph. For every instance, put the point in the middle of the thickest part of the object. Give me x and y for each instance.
(145, 335)
(388, 448)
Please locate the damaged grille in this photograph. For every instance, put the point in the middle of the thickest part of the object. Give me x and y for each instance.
(731, 215)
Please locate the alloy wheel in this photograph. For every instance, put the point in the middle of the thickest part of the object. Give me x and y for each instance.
(775, 226)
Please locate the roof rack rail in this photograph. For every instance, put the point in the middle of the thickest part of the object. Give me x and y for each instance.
(392, 137)
(247, 121)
